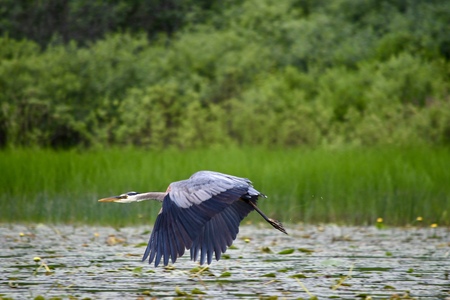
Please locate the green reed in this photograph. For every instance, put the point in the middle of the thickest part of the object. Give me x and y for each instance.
(346, 186)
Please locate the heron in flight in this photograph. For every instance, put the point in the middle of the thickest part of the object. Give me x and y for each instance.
(201, 214)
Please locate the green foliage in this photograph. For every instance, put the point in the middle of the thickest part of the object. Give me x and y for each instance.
(347, 186)
(50, 22)
(253, 73)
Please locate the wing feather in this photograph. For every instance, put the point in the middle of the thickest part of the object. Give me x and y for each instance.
(201, 214)
(172, 246)
(180, 238)
(203, 185)
(220, 237)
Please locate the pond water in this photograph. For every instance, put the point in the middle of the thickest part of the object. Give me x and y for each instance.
(312, 261)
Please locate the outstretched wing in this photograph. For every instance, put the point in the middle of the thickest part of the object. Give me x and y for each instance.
(220, 232)
(202, 214)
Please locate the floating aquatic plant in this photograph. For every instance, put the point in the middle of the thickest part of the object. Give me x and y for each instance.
(286, 251)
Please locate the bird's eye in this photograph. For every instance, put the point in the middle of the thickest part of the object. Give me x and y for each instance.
(132, 193)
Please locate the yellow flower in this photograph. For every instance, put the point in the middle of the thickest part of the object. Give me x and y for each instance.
(419, 219)
(37, 259)
(434, 225)
(380, 220)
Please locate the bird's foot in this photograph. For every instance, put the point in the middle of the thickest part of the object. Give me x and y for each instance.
(277, 224)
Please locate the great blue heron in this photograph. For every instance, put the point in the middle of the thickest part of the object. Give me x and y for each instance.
(201, 213)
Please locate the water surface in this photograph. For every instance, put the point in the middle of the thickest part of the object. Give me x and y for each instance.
(322, 261)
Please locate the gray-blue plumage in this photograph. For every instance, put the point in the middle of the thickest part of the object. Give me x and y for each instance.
(201, 214)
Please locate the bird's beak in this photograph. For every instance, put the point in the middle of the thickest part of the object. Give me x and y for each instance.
(110, 199)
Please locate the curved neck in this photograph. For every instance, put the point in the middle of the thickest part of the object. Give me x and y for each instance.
(159, 196)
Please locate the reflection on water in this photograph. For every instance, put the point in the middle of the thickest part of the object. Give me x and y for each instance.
(322, 261)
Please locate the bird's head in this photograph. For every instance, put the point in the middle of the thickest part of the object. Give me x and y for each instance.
(123, 198)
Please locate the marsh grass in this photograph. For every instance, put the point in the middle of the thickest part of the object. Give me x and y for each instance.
(346, 186)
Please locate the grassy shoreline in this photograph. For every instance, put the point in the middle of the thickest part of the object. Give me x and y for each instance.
(345, 186)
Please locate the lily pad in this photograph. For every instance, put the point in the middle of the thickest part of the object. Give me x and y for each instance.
(225, 274)
(197, 291)
(299, 275)
(286, 251)
(304, 250)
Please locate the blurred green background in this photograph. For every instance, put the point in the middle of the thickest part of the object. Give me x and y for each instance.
(338, 110)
